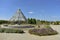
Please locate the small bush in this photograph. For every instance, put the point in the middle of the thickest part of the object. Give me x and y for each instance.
(4, 30)
(43, 31)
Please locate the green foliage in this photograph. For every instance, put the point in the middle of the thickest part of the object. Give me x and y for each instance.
(47, 26)
(55, 22)
(31, 21)
(43, 22)
(4, 30)
(4, 22)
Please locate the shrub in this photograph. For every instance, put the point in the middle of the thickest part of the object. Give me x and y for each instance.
(4, 30)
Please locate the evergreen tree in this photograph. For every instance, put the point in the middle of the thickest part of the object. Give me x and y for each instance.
(31, 21)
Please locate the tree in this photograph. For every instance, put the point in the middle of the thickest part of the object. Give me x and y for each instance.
(4, 22)
(31, 21)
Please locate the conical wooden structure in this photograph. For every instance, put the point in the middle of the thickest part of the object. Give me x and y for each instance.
(19, 16)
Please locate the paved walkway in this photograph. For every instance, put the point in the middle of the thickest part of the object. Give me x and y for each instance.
(27, 36)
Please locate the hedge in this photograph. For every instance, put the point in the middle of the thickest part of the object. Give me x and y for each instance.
(5, 30)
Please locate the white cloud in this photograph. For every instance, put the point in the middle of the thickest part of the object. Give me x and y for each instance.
(30, 12)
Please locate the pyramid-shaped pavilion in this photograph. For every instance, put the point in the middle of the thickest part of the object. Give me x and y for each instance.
(19, 16)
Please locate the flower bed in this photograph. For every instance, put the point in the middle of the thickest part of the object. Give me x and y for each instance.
(43, 31)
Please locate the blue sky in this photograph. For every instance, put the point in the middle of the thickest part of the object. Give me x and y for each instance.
(39, 9)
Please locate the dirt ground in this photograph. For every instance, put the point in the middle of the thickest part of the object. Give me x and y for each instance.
(27, 36)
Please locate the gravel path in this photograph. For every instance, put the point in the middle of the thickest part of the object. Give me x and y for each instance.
(27, 36)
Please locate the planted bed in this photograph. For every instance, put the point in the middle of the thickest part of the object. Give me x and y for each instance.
(47, 30)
